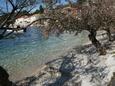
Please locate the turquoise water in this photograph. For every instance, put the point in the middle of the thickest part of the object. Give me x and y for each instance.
(23, 54)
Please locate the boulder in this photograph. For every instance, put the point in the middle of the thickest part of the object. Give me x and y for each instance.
(4, 78)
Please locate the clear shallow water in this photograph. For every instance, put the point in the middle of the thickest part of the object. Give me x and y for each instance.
(23, 54)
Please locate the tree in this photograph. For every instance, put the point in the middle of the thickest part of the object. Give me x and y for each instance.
(50, 4)
(105, 12)
(12, 10)
(37, 11)
(41, 9)
(81, 1)
(93, 16)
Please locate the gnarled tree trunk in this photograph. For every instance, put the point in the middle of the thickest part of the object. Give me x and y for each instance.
(109, 34)
(96, 43)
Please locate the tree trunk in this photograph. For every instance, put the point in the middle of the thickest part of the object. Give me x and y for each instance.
(9, 33)
(2, 35)
(96, 43)
(24, 29)
(109, 34)
(8, 18)
(4, 32)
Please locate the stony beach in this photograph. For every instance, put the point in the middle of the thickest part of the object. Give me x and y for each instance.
(81, 66)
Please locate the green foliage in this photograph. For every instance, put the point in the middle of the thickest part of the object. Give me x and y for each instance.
(37, 11)
(81, 1)
(50, 3)
(24, 12)
(41, 9)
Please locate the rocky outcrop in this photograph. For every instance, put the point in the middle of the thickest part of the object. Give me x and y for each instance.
(4, 78)
(112, 82)
(80, 67)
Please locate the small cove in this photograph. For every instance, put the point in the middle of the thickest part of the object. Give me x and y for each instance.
(22, 55)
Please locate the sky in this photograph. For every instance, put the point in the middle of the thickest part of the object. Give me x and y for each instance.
(37, 7)
(3, 5)
(62, 2)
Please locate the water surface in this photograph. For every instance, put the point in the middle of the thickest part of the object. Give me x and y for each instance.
(27, 51)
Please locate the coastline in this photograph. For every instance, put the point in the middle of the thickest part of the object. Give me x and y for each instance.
(51, 69)
(27, 55)
(45, 63)
(41, 66)
(79, 66)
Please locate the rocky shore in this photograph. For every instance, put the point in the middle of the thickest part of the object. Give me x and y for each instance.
(82, 66)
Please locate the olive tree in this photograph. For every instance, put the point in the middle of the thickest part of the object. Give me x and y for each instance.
(92, 16)
(105, 14)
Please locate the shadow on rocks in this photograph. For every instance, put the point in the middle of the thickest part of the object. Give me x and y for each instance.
(86, 49)
(4, 78)
(29, 81)
(90, 49)
(65, 69)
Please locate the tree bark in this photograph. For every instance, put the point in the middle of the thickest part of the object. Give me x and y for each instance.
(96, 43)
(2, 35)
(109, 34)
(8, 18)
(9, 33)
(4, 32)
